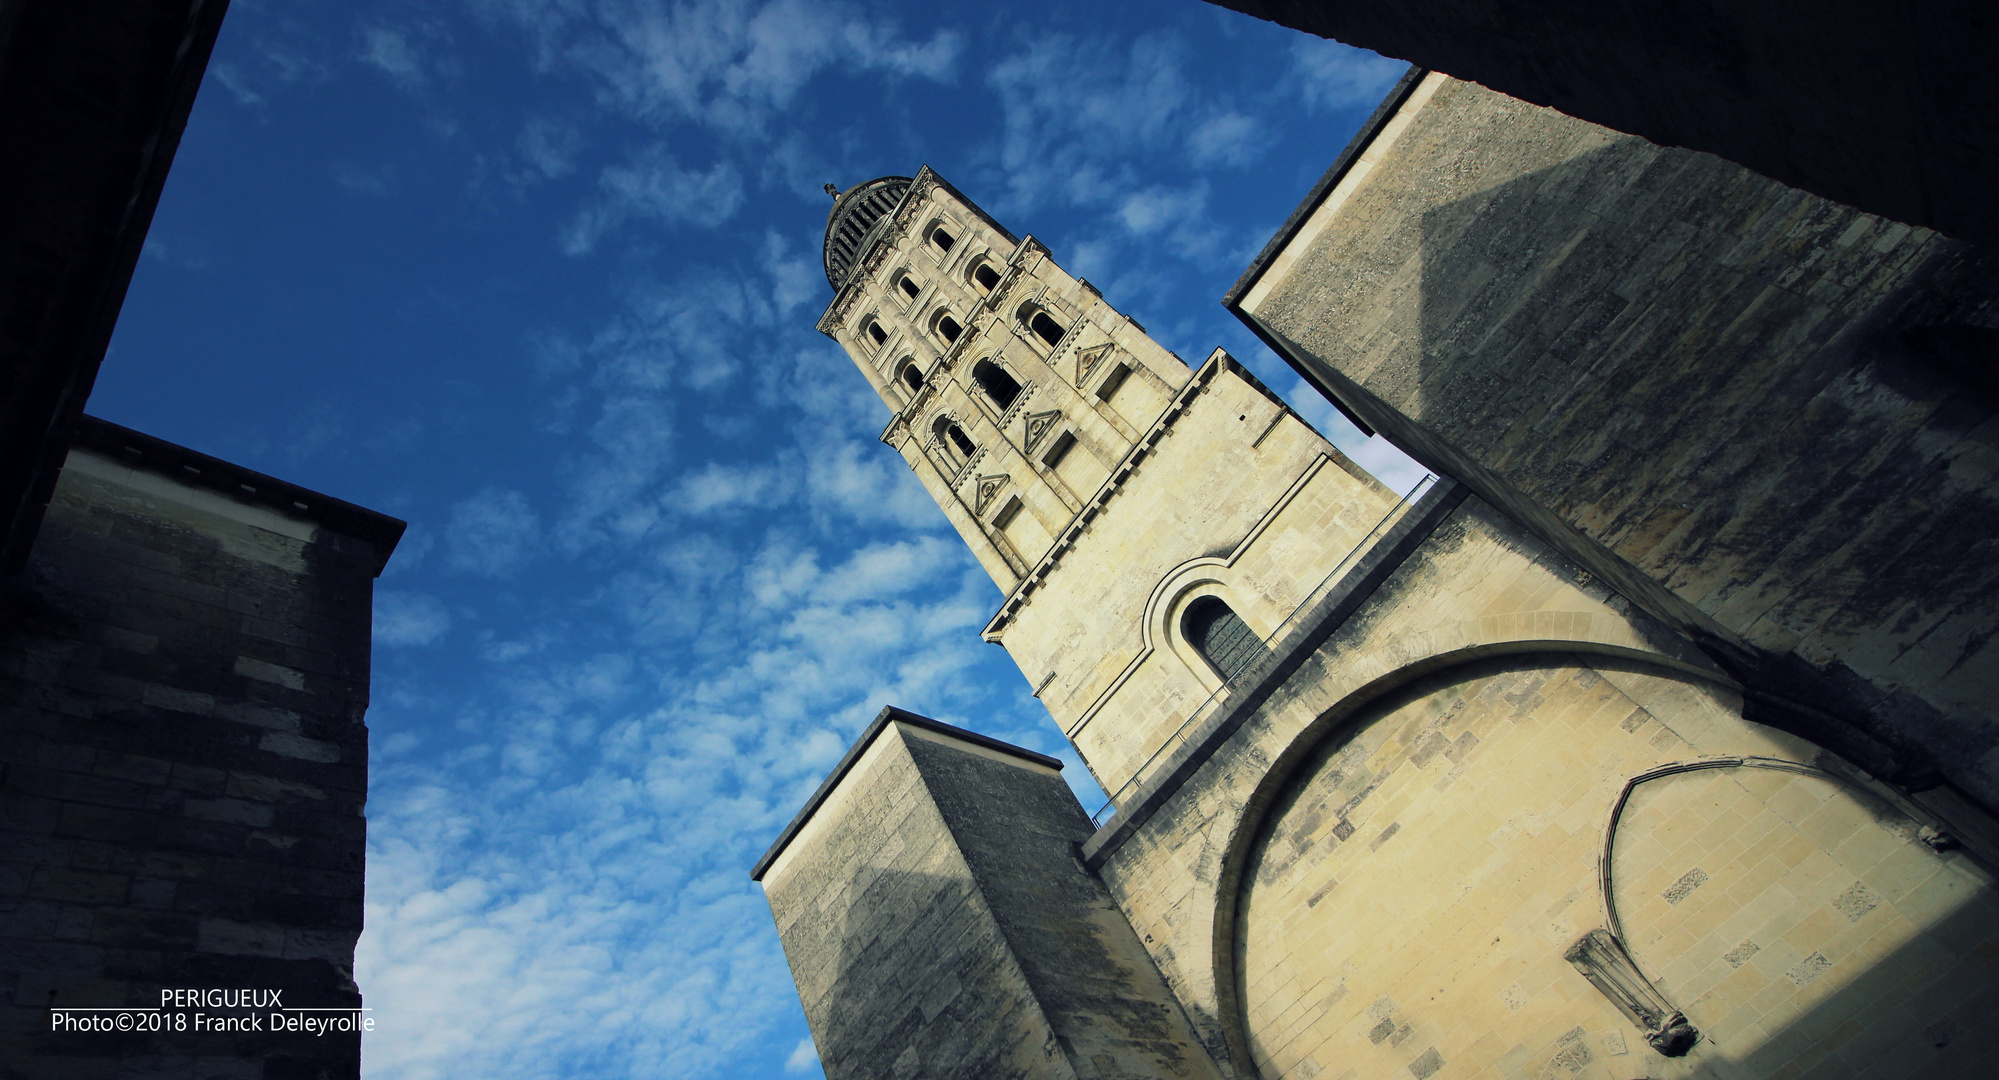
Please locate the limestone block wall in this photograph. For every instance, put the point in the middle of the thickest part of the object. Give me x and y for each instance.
(939, 925)
(1381, 869)
(1238, 498)
(184, 768)
(1084, 401)
(1761, 415)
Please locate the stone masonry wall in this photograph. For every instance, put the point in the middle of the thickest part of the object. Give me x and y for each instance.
(1763, 416)
(939, 925)
(182, 778)
(1379, 871)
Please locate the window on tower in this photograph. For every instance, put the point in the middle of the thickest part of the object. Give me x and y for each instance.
(985, 277)
(1001, 387)
(957, 445)
(909, 286)
(911, 377)
(948, 329)
(941, 239)
(1044, 326)
(1220, 636)
(876, 334)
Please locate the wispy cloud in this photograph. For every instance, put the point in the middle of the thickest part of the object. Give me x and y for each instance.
(391, 52)
(654, 186)
(409, 618)
(730, 65)
(492, 533)
(1331, 75)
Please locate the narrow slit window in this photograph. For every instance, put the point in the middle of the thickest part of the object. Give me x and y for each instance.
(986, 277)
(1001, 387)
(948, 329)
(909, 286)
(1059, 449)
(1112, 382)
(1047, 329)
(1221, 637)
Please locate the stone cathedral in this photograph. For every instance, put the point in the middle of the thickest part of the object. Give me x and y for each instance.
(1652, 737)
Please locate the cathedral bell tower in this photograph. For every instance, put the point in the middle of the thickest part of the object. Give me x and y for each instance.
(1015, 389)
(1086, 466)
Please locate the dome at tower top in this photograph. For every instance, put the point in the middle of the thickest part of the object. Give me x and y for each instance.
(858, 216)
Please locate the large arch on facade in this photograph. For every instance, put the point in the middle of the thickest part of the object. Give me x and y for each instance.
(1394, 686)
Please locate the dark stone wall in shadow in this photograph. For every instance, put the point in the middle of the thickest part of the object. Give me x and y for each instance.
(1763, 416)
(182, 781)
(1883, 107)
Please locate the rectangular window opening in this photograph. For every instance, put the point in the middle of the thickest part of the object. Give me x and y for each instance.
(1112, 382)
(1007, 513)
(1058, 449)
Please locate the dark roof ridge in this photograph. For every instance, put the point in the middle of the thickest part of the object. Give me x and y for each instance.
(196, 469)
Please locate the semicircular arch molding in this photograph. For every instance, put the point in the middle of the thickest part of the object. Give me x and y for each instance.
(1615, 706)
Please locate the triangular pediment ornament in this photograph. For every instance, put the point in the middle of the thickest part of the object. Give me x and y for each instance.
(1087, 361)
(983, 493)
(1039, 424)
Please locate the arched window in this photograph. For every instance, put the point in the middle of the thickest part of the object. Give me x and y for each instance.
(912, 378)
(909, 286)
(985, 277)
(942, 239)
(877, 334)
(953, 437)
(948, 329)
(1220, 636)
(1045, 328)
(998, 385)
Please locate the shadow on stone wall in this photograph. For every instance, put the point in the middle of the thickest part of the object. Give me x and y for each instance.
(1775, 407)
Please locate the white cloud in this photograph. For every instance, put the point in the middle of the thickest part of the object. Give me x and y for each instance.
(492, 533)
(550, 146)
(391, 52)
(360, 181)
(717, 488)
(1228, 138)
(654, 186)
(409, 618)
(803, 1057)
(729, 65)
(1331, 75)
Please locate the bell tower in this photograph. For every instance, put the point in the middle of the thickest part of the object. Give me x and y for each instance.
(1151, 525)
(1014, 387)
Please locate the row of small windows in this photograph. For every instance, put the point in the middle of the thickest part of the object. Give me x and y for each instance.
(998, 384)
(950, 329)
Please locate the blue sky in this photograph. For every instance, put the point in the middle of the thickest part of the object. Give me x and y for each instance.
(540, 277)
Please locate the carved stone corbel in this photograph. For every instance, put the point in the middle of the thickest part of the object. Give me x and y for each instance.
(1602, 960)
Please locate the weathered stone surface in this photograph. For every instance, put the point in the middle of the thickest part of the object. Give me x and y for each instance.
(1458, 749)
(939, 925)
(1382, 866)
(1881, 107)
(185, 770)
(1722, 395)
